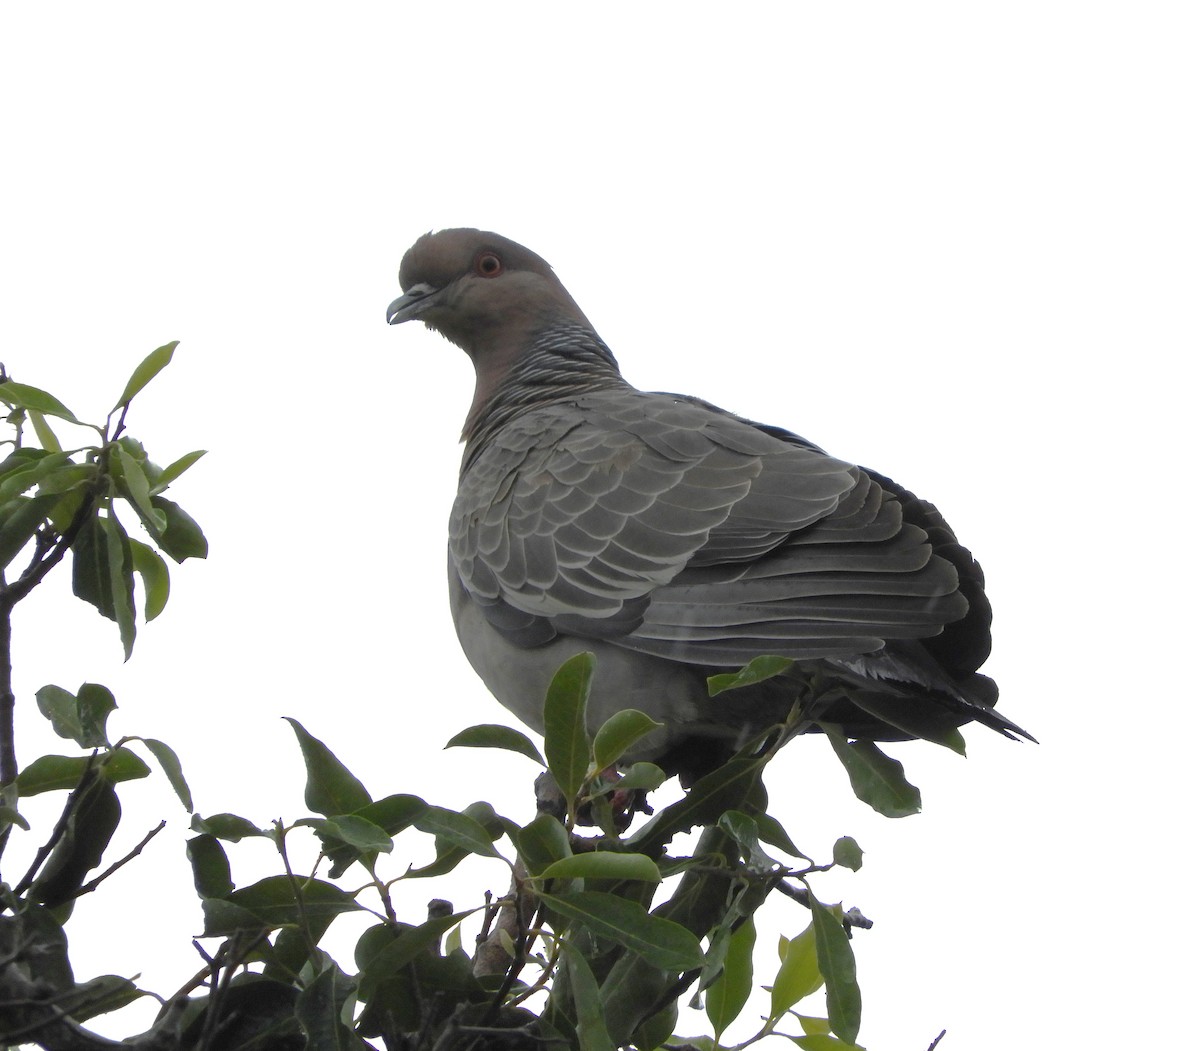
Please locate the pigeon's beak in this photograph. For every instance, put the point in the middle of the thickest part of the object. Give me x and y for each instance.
(412, 304)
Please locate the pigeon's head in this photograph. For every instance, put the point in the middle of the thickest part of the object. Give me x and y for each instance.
(480, 290)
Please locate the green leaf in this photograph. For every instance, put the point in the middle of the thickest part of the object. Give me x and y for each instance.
(173, 470)
(210, 867)
(183, 538)
(54, 773)
(98, 996)
(150, 366)
(458, 830)
(836, 960)
(21, 395)
(331, 788)
(877, 779)
(727, 995)
(96, 704)
(726, 788)
(565, 722)
(229, 827)
(156, 580)
(388, 950)
(44, 434)
(9, 817)
(136, 489)
(604, 864)
(757, 670)
(799, 973)
(80, 719)
(589, 1011)
(89, 829)
(661, 942)
(353, 831)
(171, 766)
(618, 734)
(494, 735)
(273, 901)
(847, 853)
(645, 776)
(542, 842)
(120, 569)
(20, 518)
(823, 1042)
(772, 832)
(744, 830)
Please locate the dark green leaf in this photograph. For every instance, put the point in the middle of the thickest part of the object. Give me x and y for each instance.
(387, 952)
(120, 569)
(150, 366)
(20, 518)
(542, 842)
(757, 670)
(319, 1010)
(458, 830)
(725, 998)
(744, 829)
(353, 831)
(565, 713)
(661, 942)
(172, 471)
(589, 1012)
(96, 704)
(618, 734)
(847, 853)
(99, 996)
(62, 709)
(604, 864)
(21, 395)
(183, 538)
(94, 818)
(394, 813)
(726, 788)
(836, 960)
(772, 832)
(799, 973)
(273, 900)
(171, 766)
(156, 580)
(210, 867)
(23, 472)
(229, 827)
(493, 735)
(331, 788)
(877, 779)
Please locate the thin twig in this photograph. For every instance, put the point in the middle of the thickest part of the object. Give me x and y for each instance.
(91, 885)
(937, 1040)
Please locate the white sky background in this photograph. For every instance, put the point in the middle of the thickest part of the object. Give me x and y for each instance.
(954, 242)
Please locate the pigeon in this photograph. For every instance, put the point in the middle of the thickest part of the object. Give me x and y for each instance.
(678, 541)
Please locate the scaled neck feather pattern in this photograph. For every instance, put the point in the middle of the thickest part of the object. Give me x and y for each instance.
(562, 362)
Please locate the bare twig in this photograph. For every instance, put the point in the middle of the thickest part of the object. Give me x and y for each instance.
(91, 885)
(937, 1040)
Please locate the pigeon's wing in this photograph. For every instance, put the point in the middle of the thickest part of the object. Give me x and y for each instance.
(676, 529)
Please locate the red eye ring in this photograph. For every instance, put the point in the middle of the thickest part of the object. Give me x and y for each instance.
(487, 264)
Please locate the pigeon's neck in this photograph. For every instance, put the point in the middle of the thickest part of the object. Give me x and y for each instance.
(562, 362)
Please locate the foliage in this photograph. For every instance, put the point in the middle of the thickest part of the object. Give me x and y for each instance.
(602, 932)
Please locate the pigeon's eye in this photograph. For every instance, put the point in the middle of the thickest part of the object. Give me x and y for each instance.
(488, 264)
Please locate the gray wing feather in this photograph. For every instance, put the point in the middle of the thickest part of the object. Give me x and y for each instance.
(689, 533)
